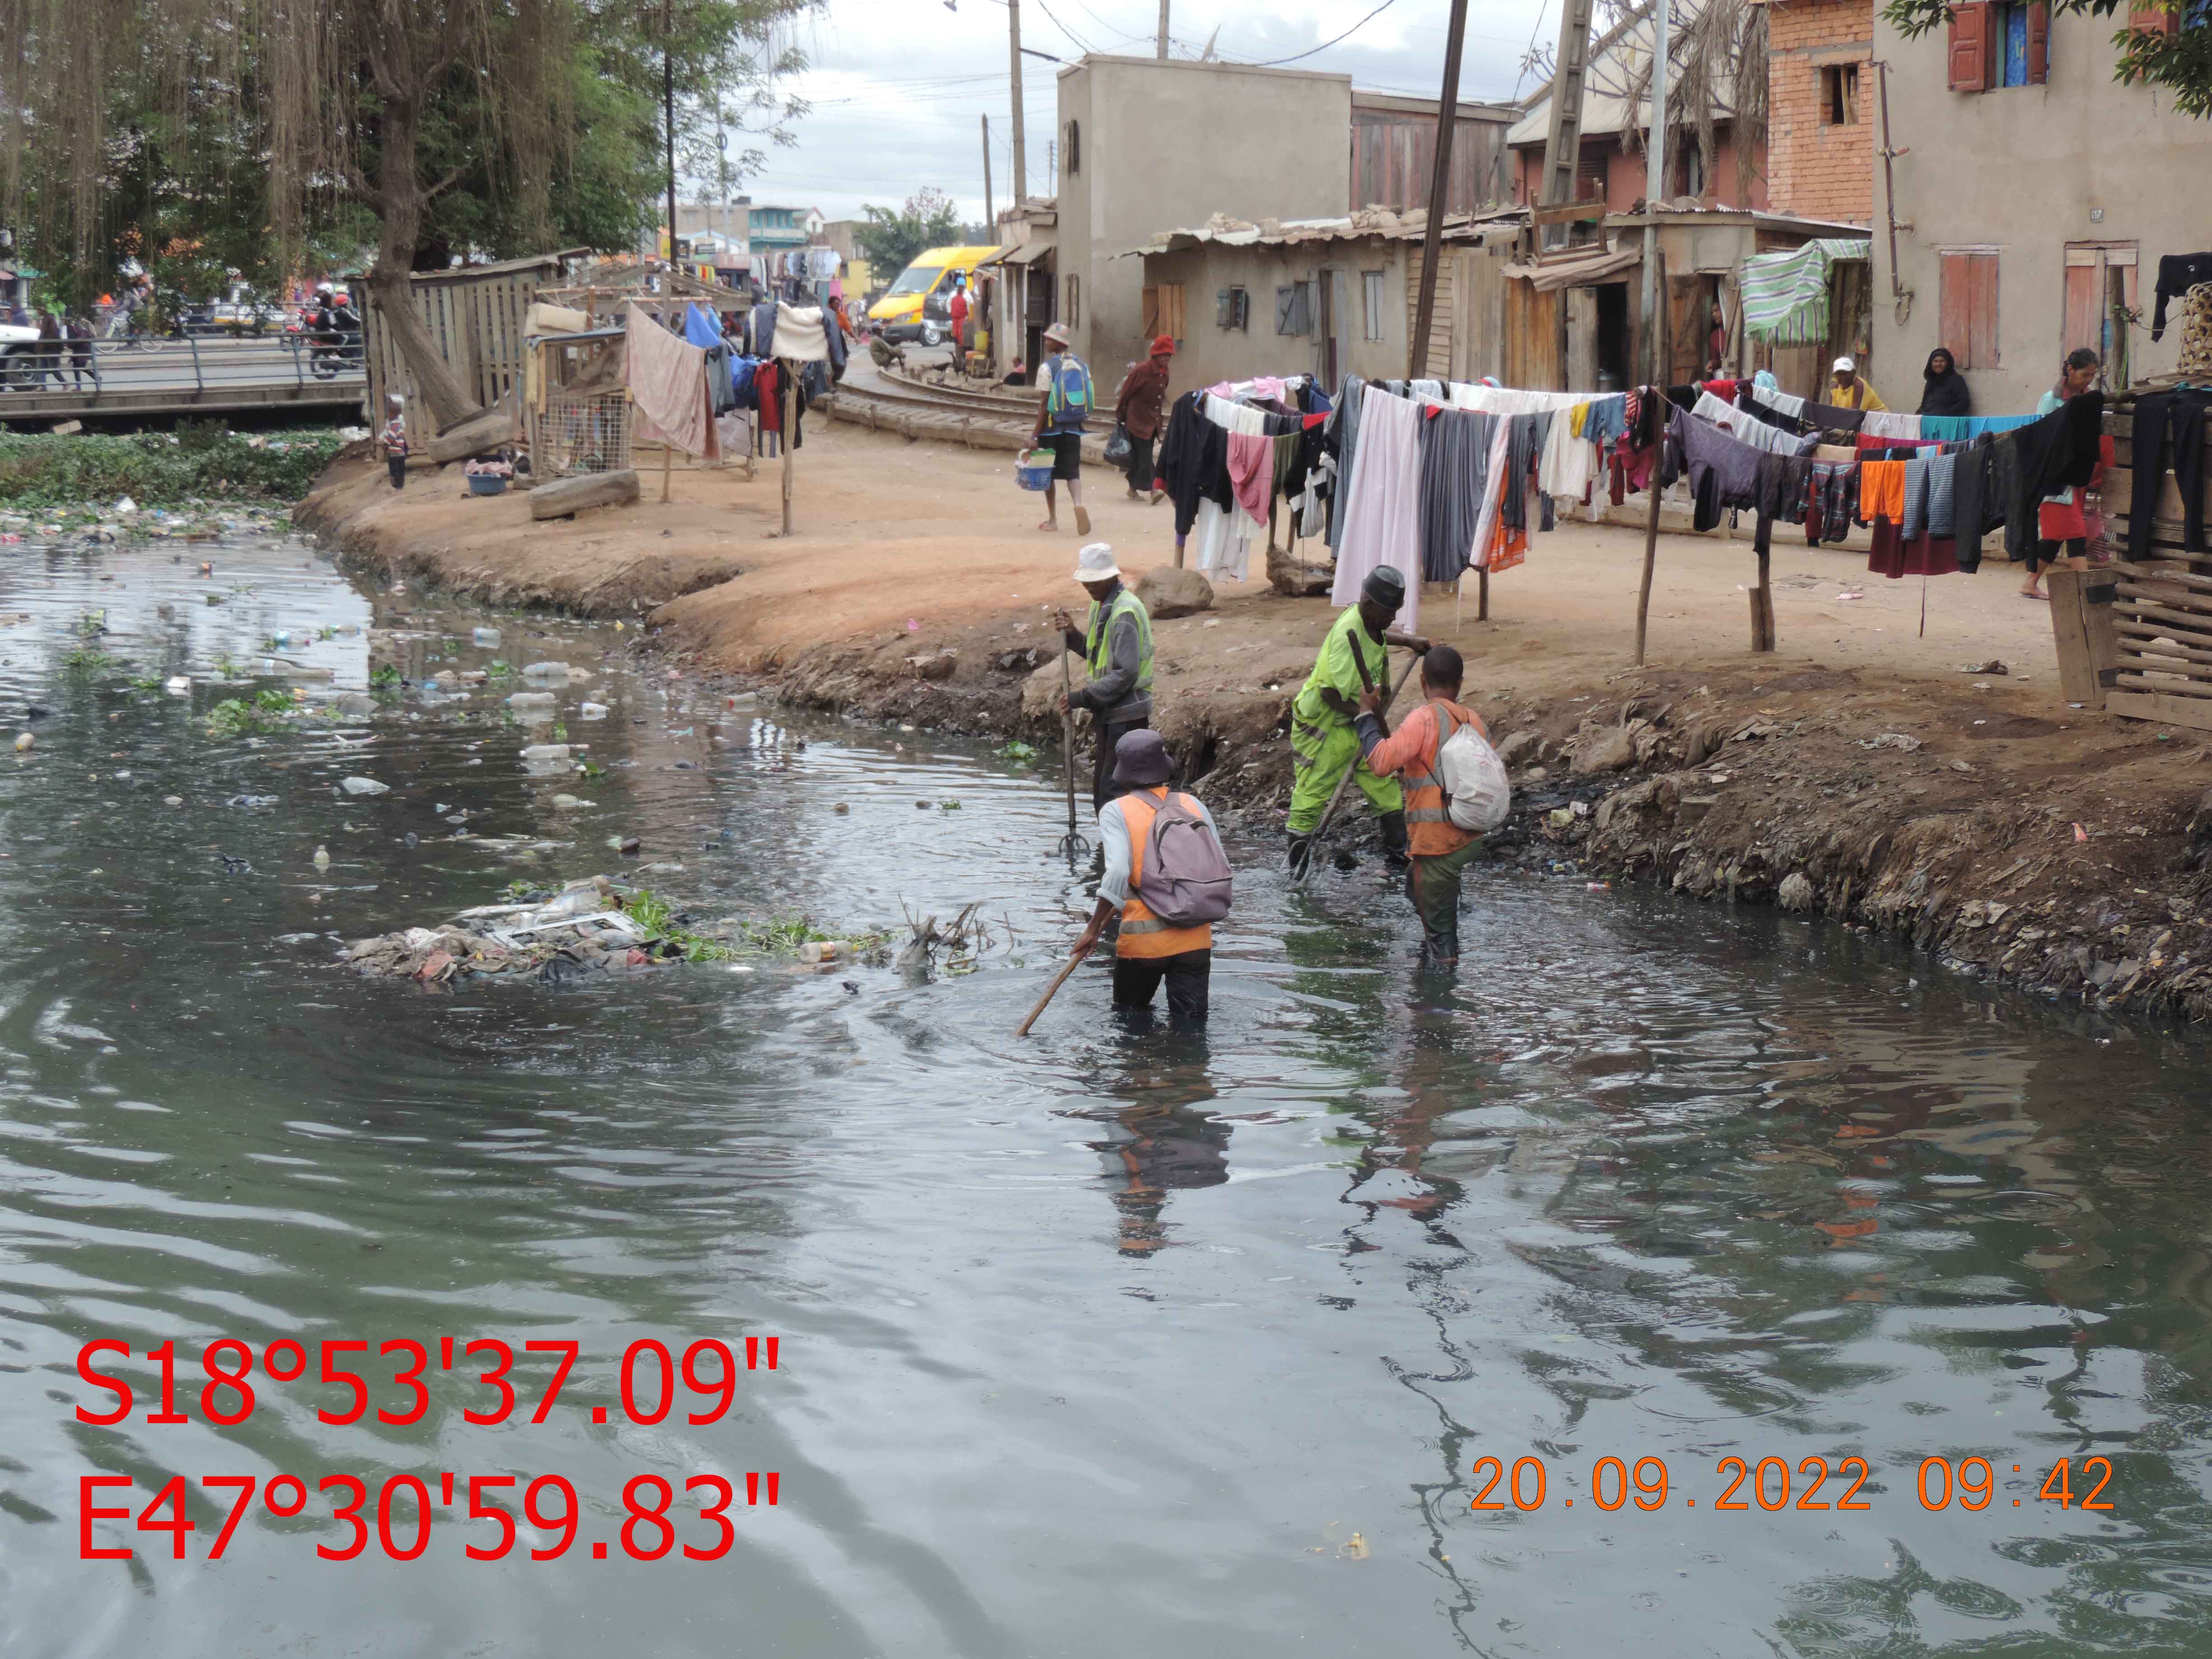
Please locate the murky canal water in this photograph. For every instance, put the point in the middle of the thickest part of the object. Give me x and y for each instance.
(1088, 1344)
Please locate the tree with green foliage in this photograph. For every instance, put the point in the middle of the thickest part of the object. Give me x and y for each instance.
(2166, 44)
(890, 239)
(426, 128)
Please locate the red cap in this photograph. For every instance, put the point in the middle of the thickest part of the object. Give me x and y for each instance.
(1163, 347)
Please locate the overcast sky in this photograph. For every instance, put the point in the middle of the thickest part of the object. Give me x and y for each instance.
(899, 87)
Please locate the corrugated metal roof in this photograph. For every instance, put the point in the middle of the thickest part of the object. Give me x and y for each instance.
(1367, 223)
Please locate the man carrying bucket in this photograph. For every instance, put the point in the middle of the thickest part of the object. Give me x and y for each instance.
(1061, 419)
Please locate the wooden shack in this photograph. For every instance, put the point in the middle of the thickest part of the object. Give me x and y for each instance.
(2135, 636)
(474, 314)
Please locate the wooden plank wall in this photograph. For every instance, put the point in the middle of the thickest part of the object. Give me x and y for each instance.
(1479, 315)
(478, 326)
(1442, 318)
(2137, 639)
(1393, 153)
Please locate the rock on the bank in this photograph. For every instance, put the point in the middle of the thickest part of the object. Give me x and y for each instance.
(1041, 691)
(1298, 578)
(1607, 750)
(1173, 590)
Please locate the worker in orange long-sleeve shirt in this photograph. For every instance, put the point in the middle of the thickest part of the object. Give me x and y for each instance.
(1441, 848)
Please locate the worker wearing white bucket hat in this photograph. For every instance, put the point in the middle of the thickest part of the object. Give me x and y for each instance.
(1117, 645)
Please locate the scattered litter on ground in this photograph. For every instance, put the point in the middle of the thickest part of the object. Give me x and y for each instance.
(1893, 740)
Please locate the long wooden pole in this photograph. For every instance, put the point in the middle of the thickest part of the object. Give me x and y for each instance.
(990, 209)
(1058, 980)
(1652, 487)
(1432, 234)
(790, 421)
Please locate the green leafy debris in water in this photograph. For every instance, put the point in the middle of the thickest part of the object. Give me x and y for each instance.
(385, 674)
(1018, 751)
(87, 660)
(653, 914)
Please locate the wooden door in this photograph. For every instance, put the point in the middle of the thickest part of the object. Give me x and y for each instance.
(1582, 339)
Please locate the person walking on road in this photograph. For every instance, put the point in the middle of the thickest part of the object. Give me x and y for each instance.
(50, 351)
(1354, 659)
(1137, 409)
(1061, 418)
(1440, 849)
(79, 331)
(1148, 950)
(1116, 647)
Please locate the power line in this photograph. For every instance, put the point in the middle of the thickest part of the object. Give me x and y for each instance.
(1272, 62)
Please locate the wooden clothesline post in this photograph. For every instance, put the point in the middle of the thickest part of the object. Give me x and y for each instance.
(1651, 484)
(790, 420)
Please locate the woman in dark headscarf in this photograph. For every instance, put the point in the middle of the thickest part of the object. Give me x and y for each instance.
(1947, 391)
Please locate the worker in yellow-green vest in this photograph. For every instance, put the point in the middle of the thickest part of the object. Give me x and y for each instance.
(1354, 659)
(1117, 645)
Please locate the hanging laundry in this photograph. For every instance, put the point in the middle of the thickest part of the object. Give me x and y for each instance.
(1381, 506)
(2177, 274)
(2163, 418)
(1455, 479)
(1723, 472)
(667, 381)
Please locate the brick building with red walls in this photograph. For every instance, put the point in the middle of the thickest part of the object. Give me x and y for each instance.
(1820, 113)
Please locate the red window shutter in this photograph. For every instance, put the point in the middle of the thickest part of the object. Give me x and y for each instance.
(1954, 323)
(2038, 44)
(2146, 18)
(1970, 42)
(1982, 310)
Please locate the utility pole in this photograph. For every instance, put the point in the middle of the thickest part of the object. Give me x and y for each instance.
(1014, 59)
(1439, 192)
(990, 214)
(1164, 30)
(668, 110)
(1654, 191)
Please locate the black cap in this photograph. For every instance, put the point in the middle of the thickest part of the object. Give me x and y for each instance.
(1385, 586)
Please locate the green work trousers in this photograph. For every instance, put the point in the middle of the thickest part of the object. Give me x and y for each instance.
(1433, 885)
(1319, 755)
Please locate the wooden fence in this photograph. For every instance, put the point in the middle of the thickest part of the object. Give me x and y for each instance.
(475, 315)
(2135, 636)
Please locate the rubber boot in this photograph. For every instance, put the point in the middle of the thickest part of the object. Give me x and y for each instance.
(1394, 849)
(1301, 851)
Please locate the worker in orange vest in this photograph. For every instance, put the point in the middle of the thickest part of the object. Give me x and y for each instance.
(1440, 849)
(1148, 950)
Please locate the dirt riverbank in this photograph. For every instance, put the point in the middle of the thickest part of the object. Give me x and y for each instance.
(1856, 772)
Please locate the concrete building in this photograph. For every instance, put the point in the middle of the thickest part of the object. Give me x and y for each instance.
(1022, 280)
(1617, 110)
(2034, 196)
(1820, 108)
(772, 228)
(1325, 297)
(1144, 143)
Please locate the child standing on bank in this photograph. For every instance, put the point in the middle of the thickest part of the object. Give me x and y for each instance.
(395, 441)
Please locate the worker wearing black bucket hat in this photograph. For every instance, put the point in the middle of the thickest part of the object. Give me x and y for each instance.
(1147, 873)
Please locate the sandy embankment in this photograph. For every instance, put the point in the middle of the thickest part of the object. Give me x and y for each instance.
(1747, 770)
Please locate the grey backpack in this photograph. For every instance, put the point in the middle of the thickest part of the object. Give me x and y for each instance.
(1186, 874)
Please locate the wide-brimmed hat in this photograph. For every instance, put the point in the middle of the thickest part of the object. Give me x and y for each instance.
(1095, 563)
(1141, 759)
(1163, 347)
(1057, 332)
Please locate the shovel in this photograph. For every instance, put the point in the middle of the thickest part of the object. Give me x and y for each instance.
(1073, 846)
